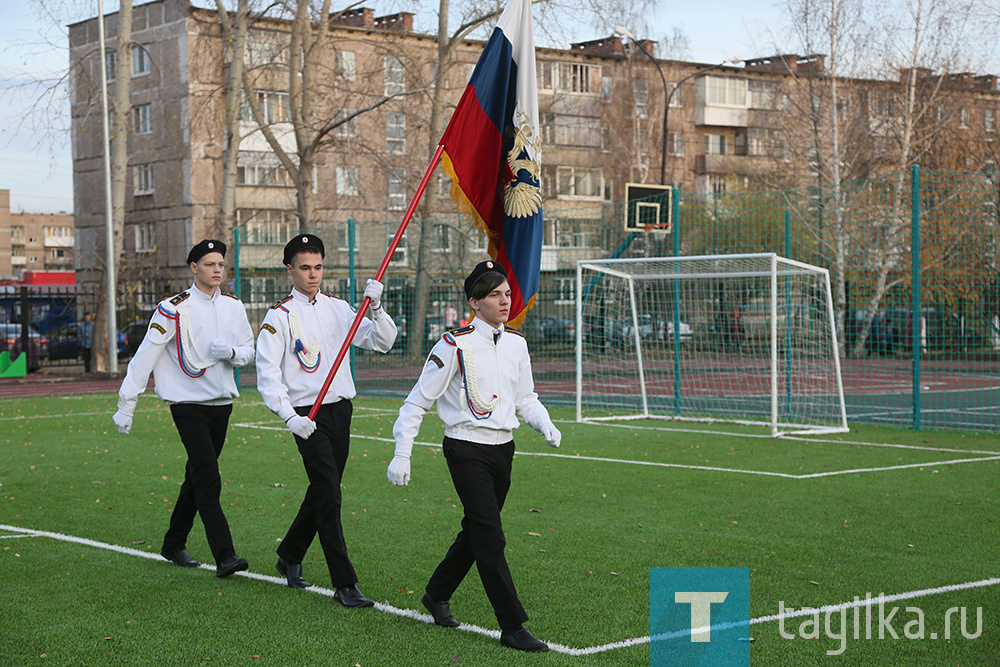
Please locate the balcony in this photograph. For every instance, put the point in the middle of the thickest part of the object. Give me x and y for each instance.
(720, 116)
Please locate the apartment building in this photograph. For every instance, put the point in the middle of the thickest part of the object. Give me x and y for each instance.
(34, 241)
(602, 106)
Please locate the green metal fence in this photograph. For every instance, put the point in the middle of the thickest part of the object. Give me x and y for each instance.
(913, 259)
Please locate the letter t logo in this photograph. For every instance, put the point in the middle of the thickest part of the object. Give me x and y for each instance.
(701, 611)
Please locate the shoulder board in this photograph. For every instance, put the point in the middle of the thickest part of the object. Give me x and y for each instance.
(461, 331)
(332, 296)
(277, 304)
(179, 298)
(229, 294)
(507, 329)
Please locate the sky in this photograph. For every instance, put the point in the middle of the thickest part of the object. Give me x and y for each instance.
(35, 152)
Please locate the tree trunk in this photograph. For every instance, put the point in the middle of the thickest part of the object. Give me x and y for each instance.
(236, 35)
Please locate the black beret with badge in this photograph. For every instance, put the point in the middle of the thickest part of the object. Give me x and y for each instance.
(205, 247)
(489, 266)
(300, 243)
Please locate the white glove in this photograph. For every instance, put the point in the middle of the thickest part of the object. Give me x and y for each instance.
(301, 426)
(221, 349)
(123, 421)
(399, 470)
(373, 290)
(552, 435)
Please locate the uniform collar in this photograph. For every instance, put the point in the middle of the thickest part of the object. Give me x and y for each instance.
(302, 298)
(201, 295)
(485, 330)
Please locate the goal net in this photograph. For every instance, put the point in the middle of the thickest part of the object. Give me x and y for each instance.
(742, 338)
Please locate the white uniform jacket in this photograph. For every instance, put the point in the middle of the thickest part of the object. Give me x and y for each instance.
(478, 384)
(298, 342)
(176, 350)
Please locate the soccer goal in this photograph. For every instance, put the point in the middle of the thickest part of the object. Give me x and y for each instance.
(742, 338)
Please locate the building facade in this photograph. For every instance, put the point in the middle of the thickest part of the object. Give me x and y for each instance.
(767, 124)
(34, 241)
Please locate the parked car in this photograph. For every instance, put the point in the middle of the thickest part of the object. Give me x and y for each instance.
(63, 343)
(10, 341)
(665, 331)
(130, 337)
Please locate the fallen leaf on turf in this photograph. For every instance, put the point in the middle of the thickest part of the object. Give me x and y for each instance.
(815, 583)
(140, 542)
(534, 510)
(535, 534)
(615, 573)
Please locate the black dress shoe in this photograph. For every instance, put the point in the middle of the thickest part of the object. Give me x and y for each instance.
(440, 611)
(231, 565)
(522, 640)
(292, 573)
(180, 557)
(350, 596)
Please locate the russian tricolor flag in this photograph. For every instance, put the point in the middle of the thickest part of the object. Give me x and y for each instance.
(492, 153)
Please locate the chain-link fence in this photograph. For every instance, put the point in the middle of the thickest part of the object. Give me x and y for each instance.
(913, 260)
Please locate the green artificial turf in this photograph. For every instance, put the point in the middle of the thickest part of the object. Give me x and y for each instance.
(582, 534)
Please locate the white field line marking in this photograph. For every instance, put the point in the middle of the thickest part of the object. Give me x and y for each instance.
(418, 616)
(681, 466)
(381, 606)
(787, 437)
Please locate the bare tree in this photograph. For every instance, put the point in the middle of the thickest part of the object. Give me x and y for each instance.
(234, 36)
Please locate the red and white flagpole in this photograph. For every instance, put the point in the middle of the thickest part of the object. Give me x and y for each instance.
(363, 308)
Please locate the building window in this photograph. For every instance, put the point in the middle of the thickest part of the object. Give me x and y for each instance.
(395, 132)
(57, 253)
(444, 185)
(143, 175)
(576, 131)
(565, 290)
(399, 256)
(989, 120)
(347, 181)
(273, 106)
(396, 189)
(267, 226)
(675, 143)
(343, 236)
(580, 183)
(675, 93)
(963, 118)
(640, 89)
(605, 87)
(140, 61)
(143, 119)
(145, 240)
(265, 49)
(725, 91)
(715, 144)
(111, 63)
(941, 113)
(569, 77)
(348, 129)
(345, 65)
(761, 94)
(442, 238)
(260, 168)
(394, 76)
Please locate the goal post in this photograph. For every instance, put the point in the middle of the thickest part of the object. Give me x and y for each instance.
(747, 338)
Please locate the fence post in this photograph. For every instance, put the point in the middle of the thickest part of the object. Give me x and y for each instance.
(236, 283)
(788, 314)
(676, 215)
(915, 265)
(352, 290)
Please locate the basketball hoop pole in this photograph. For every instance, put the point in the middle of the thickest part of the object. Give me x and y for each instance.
(363, 308)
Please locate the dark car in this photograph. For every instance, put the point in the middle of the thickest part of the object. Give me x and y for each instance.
(10, 341)
(130, 337)
(63, 343)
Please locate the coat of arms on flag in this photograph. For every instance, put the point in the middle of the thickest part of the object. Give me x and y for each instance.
(492, 152)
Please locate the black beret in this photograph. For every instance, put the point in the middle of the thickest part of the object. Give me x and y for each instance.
(205, 247)
(300, 243)
(489, 266)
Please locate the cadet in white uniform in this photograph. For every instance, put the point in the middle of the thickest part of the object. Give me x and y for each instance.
(480, 375)
(296, 346)
(193, 342)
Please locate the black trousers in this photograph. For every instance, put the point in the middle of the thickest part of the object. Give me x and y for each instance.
(324, 455)
(481, 474)
(203, 431)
